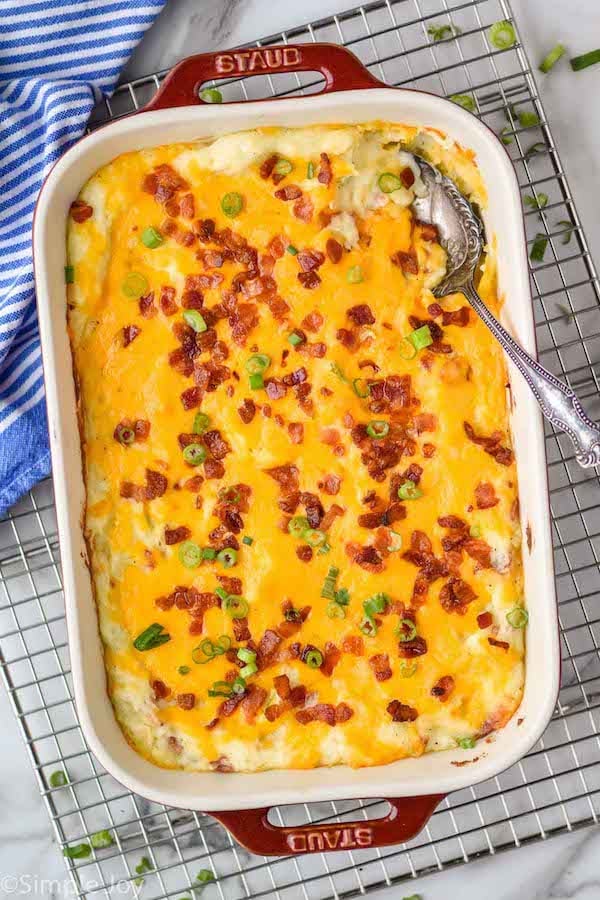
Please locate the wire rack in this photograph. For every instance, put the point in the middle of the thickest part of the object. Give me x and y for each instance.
(557, 786)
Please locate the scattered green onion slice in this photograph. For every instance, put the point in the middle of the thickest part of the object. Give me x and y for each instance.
(77, 851)
(408, 490)
(209, 553)
(229, 495)
(328, 589)
(190, 554)
(335, 610)
(208, 649)
(314, 537)
(184, 670)
(257, 382)
(375, 605)
(475, 531)
(378, 429)
(502, 35)
(293, 251)
(152, 636)
(221, 592)
(354, 275)
(211, 95)
(342, 596)
(506, 135)
(195, 320)
(232, 204)
(586, 59)
(58, 779)
(235, 607)
(406, 630)
(247, 540)
(201, 423)
(466, 743)
(465, 100)
(388, 183)
(569, 229)
(407, 349)
(538, 248)
(283, 166)
(247, 671)
(534, 150)
(440, 32)
(550, 60)
(517, 617)
(69, 274)
(227, 557)
(313, 659)
(134, 285)
(568, 314)
(395, 543)
(204, 876)
(194, 454)
(246, 655)
(125, 435)
(368, 626)
(407, 670)
(335, 368)
(421, 337)
(528, 119)
(102, 839)
(538, 202)
(361, 387)
(257, 364)
(238, 686)
(310, 170)
(144, 866)
(298, 526)
(220, 689)
(294, 339)
(152, 238)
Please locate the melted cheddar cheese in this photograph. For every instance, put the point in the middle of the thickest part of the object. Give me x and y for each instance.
(343, 266)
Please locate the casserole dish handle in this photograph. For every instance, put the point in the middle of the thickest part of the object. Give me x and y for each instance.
(252, 829)
(342, 70)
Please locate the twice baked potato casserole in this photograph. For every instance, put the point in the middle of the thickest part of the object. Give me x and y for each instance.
(302, 515)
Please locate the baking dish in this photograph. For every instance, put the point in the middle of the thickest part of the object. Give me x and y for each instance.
(351, 94)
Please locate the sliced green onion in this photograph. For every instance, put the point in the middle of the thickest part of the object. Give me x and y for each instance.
(125, 435)
(221, 592)
(552, 58)
(283, 166)
(421, 337)
(144, 866)
(134, 285)
(77, 851)
(152, 636)
(475, 531)
(298, 526)
(232, 204)
(395, 543)
(227, 557)
(257, 364)
(406, 630)
(407, 349)
(440, 32)
(102, 839)
(538, 248)
(209, 553)
(247, 540)
(208, 649)
(389, 183)
(569, 228)
(220, 689)
(375, 605)
(250, 669)
(257, 382)
(204, 876)
(328, 589)
(194, 454)
(361, 387)
(195, 320)
(502, 35)
(342, 596)
(229, 495)
(568, 314)
(310, 170)
(335, 611)
(587, 59)
(408, 490)
(184, 670)
(211, 95)
(335, 368)
(517, 617)
(238, 686)
(314, 537)
(313, 659)
(201, 423)
(246, 655)
(152, 238)
(354, 275)
(58, 779)
(294, 339)
(528, 119)
(465, 100)
(534, 150)
(235, 607)
(293, 251)
(506, 135)
(368, 626)
(69, 274)
(466, 743)
(407, 670)
(538, 202)
(190, 554)
(378, 429)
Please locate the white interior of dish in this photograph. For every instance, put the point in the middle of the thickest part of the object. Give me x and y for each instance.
(432, 773)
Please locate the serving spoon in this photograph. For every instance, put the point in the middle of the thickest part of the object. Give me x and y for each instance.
(462, 237)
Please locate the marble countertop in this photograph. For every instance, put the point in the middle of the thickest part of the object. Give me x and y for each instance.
(560, 868)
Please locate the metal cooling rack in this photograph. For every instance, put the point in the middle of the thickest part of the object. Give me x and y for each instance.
(557, 786)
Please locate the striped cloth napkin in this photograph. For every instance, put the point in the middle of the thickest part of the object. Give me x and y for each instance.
(57, 59)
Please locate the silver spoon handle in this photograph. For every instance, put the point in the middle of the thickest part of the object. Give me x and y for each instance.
(557, 402)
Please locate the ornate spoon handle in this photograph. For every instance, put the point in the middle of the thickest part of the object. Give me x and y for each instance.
(557, 402)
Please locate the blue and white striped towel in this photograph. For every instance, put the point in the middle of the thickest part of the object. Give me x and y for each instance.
(57, 59)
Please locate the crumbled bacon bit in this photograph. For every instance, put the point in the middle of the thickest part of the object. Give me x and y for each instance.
(407, 177)
(425, 422)
(456, 595)
(147, 307)
(484, 620)
(177, 535)
(435, 310)
(160, 689)
(367, 558)
(267, 166)
(480, 551)
(130, 332)
(428, 450)
(296, 432)
(216, 444)
(491, 444)
(156, 485)
(361, 314)
(485, 495)
(286, 477)
(428, 232)
(186, 206)
(443, 688)
(331, 484)
(191, 397)
(205, 229)
(80, 211)
(289, 192)
(213, 469)
(406, 261)
(247, 410)
(354, 645)
(186, 701)
(380, 663)
(267, 648)
(252, 702)
(347, 338)
(503, 645)
(400, 712)
(343, 712)
(304, 552)
(309, 260)
(330, 516)
(167, 300)
(221, 764)
(334, 250)
(411, 649)
(313, 321)
(331, 658)
(460, 317)
(303, 209)
(325, 173)
(309, 280)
